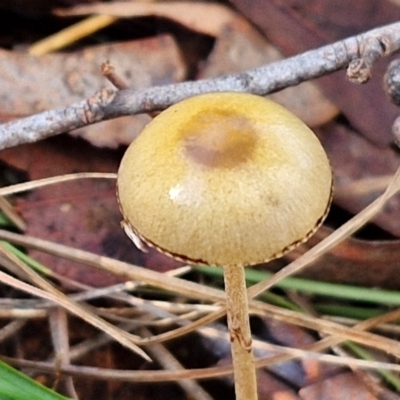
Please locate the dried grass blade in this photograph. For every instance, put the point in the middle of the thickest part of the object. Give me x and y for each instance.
(201, 292)
(332, 240)
(198, 373)
(25, 186)
(49, 292)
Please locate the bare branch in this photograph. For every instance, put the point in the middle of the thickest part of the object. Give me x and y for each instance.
(392, 81)
(359, 70)
(108, 70)
(267, 79)
(54, 122)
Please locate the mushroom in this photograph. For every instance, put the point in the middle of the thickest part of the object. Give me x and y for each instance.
(225, 179)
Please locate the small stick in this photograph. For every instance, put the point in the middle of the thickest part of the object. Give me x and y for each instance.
(360, 68)
(108, 71)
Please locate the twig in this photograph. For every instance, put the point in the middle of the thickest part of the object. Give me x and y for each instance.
(11, 329)
(167, 360)
(59, 334)
(284, 353)
(108, 70)
(392, 88)
(190, 289)
(329, 242)
(359, 70)
(11, 214)
(392, 81)
(267, 79)
(50, 292)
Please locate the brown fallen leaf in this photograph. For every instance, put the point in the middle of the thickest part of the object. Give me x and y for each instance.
(82, 213)
(298, 373)
(370, 263)
(353, 159)
(57, 80)
(297, 26)
(339, 387)
(238, 47)
(269, 387)
(206, 18)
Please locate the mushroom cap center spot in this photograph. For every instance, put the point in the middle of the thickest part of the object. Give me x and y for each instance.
(219, 139)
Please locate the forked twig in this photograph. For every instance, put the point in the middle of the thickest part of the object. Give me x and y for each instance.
(107, 104)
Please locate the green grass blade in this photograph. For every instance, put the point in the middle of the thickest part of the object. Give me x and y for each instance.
(16, 386)
(334, 290)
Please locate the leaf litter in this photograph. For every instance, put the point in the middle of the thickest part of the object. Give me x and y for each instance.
(175, 287)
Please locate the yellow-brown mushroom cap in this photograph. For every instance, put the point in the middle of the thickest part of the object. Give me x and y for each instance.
(225, 179)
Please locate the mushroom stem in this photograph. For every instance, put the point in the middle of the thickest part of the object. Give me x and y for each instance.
(240, 334)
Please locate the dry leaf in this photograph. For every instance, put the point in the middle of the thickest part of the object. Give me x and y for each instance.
(339, 387)
(297, 26)
(206, 18)
(353, 159)
(240, 47)
(58, 80)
